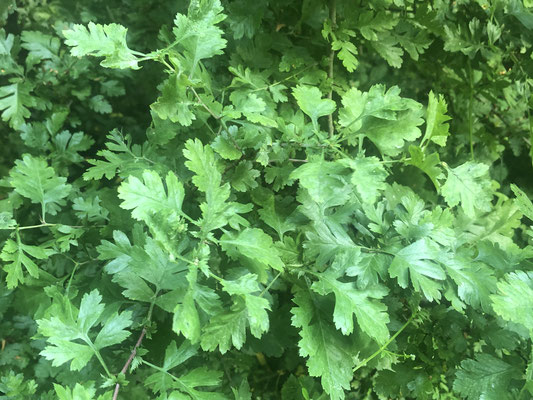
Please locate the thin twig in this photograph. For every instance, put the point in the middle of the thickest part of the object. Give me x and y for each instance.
(130, 359)
(203, 104)
(386, 344)
(297, 160)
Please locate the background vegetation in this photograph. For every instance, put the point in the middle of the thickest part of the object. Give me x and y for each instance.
(266, 200)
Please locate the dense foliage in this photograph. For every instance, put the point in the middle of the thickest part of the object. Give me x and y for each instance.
(266, 199)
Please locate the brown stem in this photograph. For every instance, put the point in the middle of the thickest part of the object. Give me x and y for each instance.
(333, 18)
(130, 359)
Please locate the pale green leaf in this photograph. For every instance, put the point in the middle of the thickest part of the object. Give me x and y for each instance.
(254, 244)
(468, 185)
(429, 164)
(174, 103)
(16, 255)
(97, 40)
(67, 329)
(514, 299)
(387, 119)
(310, 101)
(523, 202)
(324, 181)
(419, 262)
(34, 179)
(368, 177)
(437, 129)
(148, 197)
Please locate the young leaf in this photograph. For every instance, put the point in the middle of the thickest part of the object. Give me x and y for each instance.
(148, 197)
(16, 254)
(429, 164)
(468, 185)
(310, 101)
(34, 179)
(437, 129)
(197, 33)
(107, 41)
(174, 103)
(523, 202)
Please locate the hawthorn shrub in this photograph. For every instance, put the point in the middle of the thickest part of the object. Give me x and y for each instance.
(245, 200)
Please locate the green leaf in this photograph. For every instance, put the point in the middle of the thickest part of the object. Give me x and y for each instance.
(514, 299)
(429, 164)
(418, 261)
(523, 202)
(97, 40)
(330, 242)
(64, 324)
(371, 314)
(324, 181)
(6, 220)
(226, 329)
(437, 129)
(486, 377)
(256, 306)
(16, 254)
(468, 185)
(121, 157)
(346, 53)
(244, 177)
(186, 318)
(329, 352)
(40, 46)
(15, 99)
(100, 105)
(253, 244)
(273, 214)
(310, 101)
(89, 209)
(79, 392)
(197, 33)
(216, 210)
(35, 180)
(387, 119)
(475, 281)
(368, 177)
(187, 383)
(174, 103)
(133, 267)
(148, 197)
(243, 393)
(387, 47)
